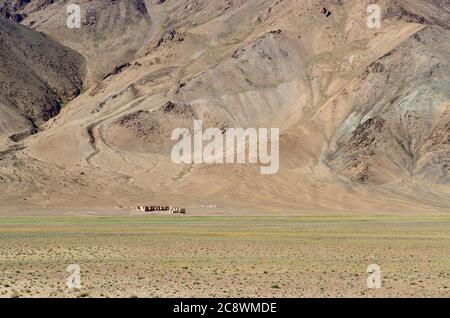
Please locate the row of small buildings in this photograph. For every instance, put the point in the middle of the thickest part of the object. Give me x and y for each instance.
(158, 208)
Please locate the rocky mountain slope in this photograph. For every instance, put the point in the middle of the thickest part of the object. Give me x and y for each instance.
(37, 75)
(363, 112)
(111, 31)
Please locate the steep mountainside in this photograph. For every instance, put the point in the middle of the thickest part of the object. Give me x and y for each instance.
(402, 111)
(37, 75)
(111, 31)
(363, 112)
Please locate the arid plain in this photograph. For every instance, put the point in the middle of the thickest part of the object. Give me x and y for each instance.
(167, 256)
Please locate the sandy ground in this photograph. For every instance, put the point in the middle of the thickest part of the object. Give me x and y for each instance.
(163, 256)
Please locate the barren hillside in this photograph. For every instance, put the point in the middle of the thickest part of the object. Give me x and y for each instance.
(37, 75)
(363, 113)
(111, 31)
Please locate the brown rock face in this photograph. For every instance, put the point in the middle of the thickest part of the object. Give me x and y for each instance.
(111, 33)
(37, 74)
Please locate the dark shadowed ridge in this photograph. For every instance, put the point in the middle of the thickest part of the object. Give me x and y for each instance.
(37, 75)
